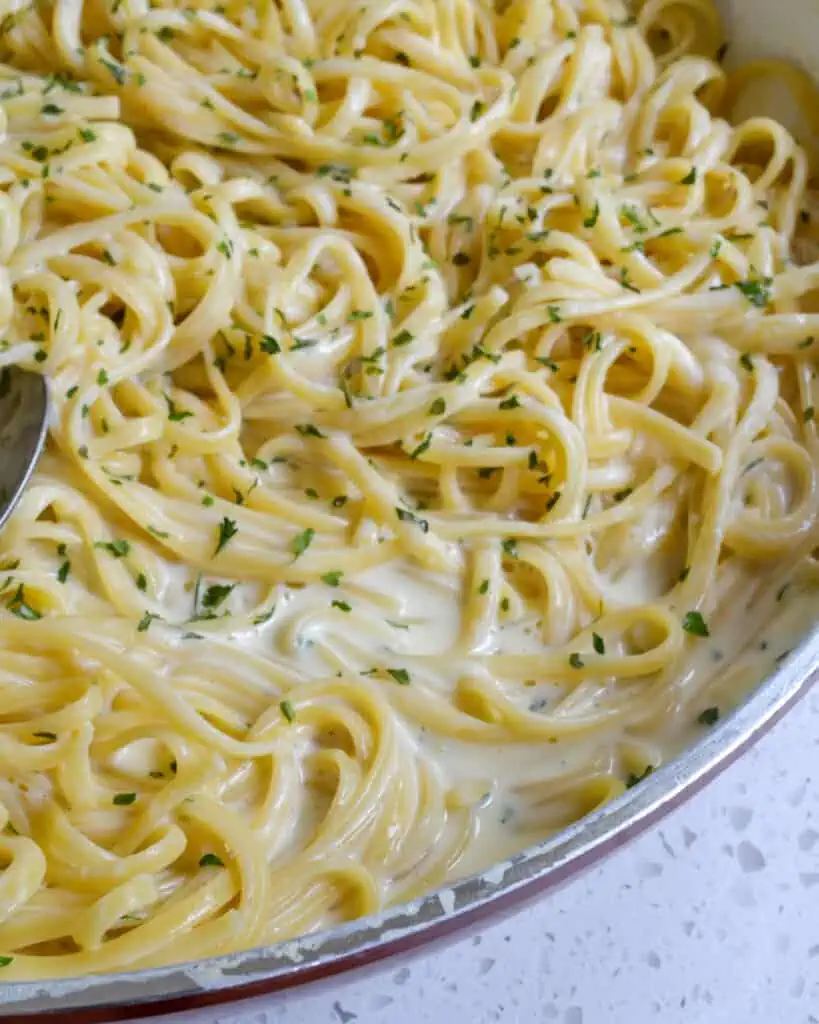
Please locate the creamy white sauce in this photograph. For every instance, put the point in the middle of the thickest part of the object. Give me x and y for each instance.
(403, 617)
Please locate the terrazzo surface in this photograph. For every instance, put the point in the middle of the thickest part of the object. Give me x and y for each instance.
(710, 918)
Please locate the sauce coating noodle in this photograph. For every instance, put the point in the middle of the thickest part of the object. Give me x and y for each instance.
(433, 389)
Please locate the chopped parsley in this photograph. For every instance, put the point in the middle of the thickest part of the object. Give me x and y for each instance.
(270, 345)
(422, 447)
(591, 220)
(694, 624)
(405, 516)
(709, 716)
(631, 214)
(118, 548)
(302, 541)
(309, 430)
(216, 594)
(510, 547)
(598, 644)
(332, 579)
(124, 799)
(756, 291)
(210, 860)
(400, 675)
(575, 660)
(288, 710)
(633, 779)
(175, 414)
(690, 178)
(227, 530)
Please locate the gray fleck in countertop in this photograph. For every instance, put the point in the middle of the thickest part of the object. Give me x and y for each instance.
(711, 918)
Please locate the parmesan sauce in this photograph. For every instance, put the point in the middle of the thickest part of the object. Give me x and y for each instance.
(516, 793)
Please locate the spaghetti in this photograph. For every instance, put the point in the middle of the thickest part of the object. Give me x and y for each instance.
(433, 385)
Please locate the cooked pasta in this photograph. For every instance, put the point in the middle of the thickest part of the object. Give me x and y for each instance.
(432, 410)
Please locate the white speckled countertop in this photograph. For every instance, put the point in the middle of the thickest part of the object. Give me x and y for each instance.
(710, 918)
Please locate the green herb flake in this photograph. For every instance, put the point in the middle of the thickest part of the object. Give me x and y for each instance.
(118, 548)
(227, 530)
(302, 541)
(400, 675)
(591, 220)
(575, 660)
(270, 345)
(598, 643)
(632, 215)
(756, 291)
(422, 447)
(710, 716)
(217, 594)
(124, 799)
(694, 624)
(406, 516)
(509, 546)
(633, 779)
(175, 414)
(309, 430)
(288, 710)
(210, 860)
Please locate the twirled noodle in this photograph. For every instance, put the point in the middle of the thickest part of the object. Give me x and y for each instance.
(433, 390)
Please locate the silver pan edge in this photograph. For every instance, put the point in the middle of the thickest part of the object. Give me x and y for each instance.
(452, 910)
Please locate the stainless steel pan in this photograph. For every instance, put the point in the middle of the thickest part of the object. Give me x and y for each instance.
(499, 890)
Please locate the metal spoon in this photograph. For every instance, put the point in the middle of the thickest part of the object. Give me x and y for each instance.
(23, 428)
